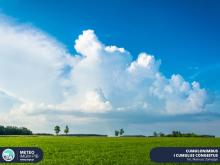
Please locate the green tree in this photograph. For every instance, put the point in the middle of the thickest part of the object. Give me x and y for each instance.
(2, 130)
(176, 133)
(161, 134)
(155, 134)
(57, 129)
(66, 130)
(12, 130)
(116, 132)
(121, 132)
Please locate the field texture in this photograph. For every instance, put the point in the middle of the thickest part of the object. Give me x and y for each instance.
(102, 151)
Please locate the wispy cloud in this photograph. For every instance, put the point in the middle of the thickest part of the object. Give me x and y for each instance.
(205, 70)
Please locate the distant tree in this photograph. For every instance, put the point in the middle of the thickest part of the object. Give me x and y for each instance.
(57, 129)
(2, 130)
(66, 130)
(180, 134)
(176, 133)
(121, 131)
(161, 134)
(12, 130)
(116, 132)
(155, 134)
(25, 131)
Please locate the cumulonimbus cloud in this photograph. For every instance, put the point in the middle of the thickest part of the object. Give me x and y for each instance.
(126, 84)
(99, 79)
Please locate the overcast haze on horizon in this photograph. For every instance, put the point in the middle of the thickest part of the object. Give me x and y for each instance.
(98, 66)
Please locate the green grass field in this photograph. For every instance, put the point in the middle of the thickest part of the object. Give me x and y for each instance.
(102, 151)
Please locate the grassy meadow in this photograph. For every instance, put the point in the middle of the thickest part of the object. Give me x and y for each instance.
(61, 150)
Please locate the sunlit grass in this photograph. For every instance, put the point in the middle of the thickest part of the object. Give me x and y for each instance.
(101, 151)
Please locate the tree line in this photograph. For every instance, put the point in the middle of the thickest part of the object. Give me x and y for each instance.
(57, 130)
(12, 130)
(179, 134)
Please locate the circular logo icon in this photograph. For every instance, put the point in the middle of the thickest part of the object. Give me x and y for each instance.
(8, 155)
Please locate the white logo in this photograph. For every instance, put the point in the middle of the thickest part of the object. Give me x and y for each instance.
(8, 155)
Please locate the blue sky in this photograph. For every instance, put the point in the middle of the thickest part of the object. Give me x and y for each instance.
(185, 35)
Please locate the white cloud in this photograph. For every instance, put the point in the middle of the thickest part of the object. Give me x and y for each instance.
(125, 83)
(145, 63)
(95, 101)
(87, 44)
(101, 79)
(30, 63)
(180, 97)
(7, 102)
